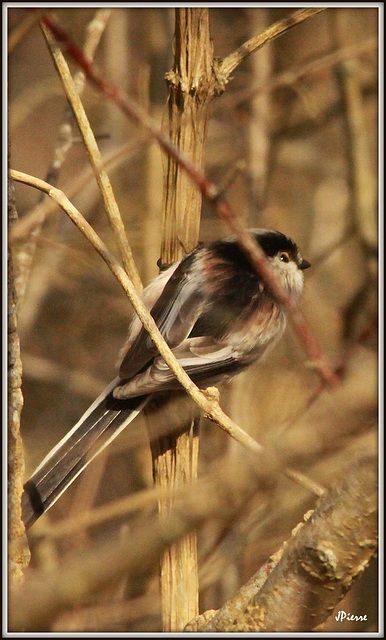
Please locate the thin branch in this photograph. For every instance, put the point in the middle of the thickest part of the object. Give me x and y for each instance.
(64, 528)
(99, 617)
(348, 412)
(23, 28)
(342, 551)
(363, 180)
(95, 29)
(139, 501)
(26, 224)
(291, 77)
(95, 158)
(64, 143)
(277, 29)
(209, 191)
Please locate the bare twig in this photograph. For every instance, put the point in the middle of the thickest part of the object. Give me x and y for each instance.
(95, 158)
(107, 615)
(277, 29)
(26, 224)
(342, 553)
(351, 406)
(23, 28)
(291, 77)
(76, 381)
(135, 502)
(95, 29)
(259, 140)
(25, 255)
(363, 181)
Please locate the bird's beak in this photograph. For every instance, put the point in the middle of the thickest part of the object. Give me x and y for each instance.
(304, 264)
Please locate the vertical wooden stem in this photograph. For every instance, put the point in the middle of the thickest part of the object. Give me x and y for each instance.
(191, 88)
(175, 464)
(191, 85)
(18, 551)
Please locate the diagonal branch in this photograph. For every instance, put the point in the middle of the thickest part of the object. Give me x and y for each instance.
(292, 76)
(24, 258)
(302, 583)
(95, 157)
(253, 44)
(209, 191)
(29, 221)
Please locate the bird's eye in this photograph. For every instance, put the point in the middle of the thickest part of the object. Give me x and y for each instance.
(284, 256)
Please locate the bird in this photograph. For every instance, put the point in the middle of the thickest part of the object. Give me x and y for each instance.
(217, 315)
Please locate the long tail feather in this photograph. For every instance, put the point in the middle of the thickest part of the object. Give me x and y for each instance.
(101, 423)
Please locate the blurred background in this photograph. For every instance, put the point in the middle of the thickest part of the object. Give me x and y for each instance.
(294, 141)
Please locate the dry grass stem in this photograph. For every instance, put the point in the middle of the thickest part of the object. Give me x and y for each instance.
(74, 380)
(137, 502)
(26, 254)
(95, 158)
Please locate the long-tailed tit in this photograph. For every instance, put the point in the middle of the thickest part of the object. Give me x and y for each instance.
(216, 314)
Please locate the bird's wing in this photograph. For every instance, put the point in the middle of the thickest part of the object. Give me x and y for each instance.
(175, 313)
(204, 360)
